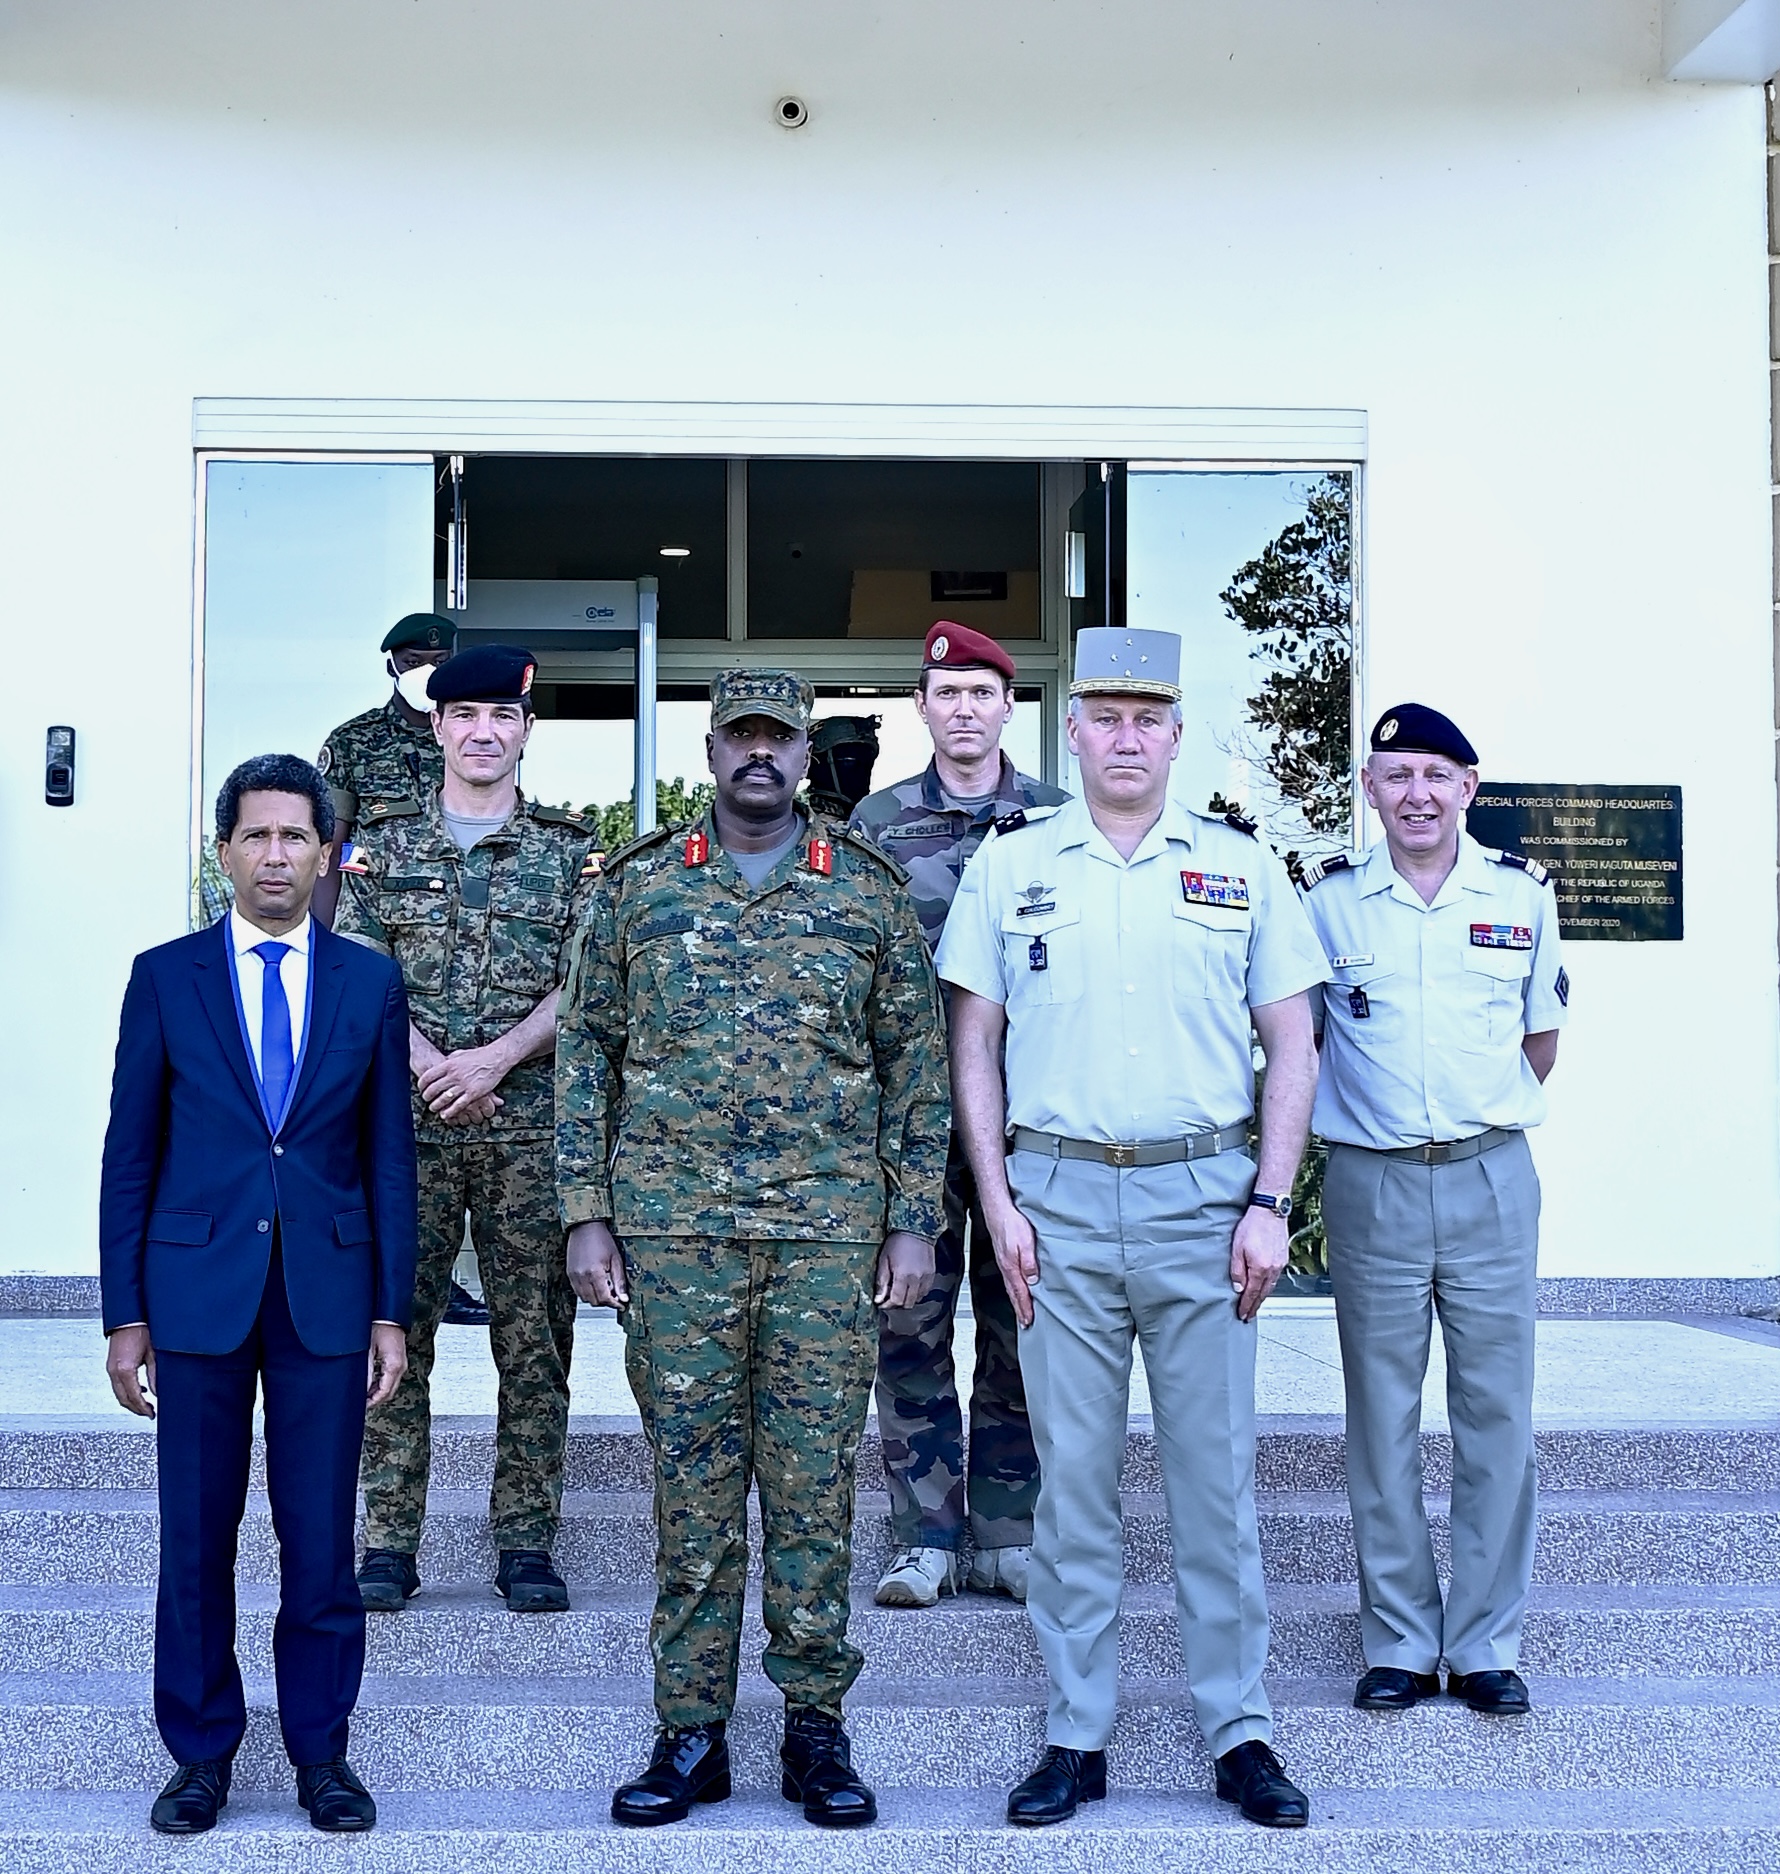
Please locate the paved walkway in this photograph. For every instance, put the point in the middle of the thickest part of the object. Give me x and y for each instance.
(1704, 1370)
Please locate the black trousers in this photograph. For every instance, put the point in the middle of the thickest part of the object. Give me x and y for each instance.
(315, 1420)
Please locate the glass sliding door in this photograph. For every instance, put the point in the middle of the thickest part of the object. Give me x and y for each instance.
(305, 565)
(1255, 571)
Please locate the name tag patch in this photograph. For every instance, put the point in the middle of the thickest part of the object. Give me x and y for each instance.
(1039, 902)
(1215, 888)
(1350, 963)
(1501, 937)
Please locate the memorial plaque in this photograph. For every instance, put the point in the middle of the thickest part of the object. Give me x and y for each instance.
(1614, 853)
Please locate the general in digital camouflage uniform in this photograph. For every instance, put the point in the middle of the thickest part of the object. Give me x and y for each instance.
(483, 938)
(932, 838)
(751, 1089)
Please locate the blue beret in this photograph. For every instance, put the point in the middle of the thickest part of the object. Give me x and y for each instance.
(486, 673)
(1413, 728)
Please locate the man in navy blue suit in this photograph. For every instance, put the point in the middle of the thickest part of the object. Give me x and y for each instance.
(257, 1227)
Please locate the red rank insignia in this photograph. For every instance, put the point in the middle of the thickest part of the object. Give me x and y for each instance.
(821, 857)
(698, 847)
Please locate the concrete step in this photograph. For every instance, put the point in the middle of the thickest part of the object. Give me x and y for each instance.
(1625, 1536)
(921, 1832)
(96, 1731)
(1296, 1453)
(463, 1628)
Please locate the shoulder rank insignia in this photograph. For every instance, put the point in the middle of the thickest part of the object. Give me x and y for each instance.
(1011, 822)
(1319, 869)
(1242, 823)
(1215, 888)
(821, 857)
(395, 807)
(1218, 808)
(698, 848)
(1533, 869)
(611, 861)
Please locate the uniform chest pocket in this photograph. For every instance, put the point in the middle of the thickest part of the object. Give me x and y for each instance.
(1365, 993)
(673, 974)
(418, 921)
(831, 969)
(1044, 959)
(525, 943)
(1495, 982)
(1210, 943)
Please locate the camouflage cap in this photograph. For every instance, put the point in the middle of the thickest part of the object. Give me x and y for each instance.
(781, 694)
(1111, 662)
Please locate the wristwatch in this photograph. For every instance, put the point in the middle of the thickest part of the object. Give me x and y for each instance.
(1280, 1206)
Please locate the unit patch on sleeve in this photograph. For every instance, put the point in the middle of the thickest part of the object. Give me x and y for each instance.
(1562, 986)
(1501, 936)
(1215, 888)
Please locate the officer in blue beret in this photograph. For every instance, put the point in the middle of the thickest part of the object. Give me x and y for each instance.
(1437, 1033)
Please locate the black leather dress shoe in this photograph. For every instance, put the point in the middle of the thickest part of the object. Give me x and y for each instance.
(819, 1773)
(1063, 1778)
(530, 1583)
(337, 1801)
(189, 1803)
(387, 1580)
(684, 1767)
(1254, 1779)
(1495, 1694)
(1390, 1688)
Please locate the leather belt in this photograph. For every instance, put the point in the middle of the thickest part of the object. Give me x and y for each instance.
(1448, 1151)
(1144, 1152)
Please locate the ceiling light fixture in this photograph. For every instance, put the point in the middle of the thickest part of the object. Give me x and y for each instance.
(676, 553)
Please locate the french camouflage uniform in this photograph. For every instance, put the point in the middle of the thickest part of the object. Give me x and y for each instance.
(918, 1412)
(1431, 1204)
(482, 936)
(380, 756)
(1128, 985)
(751, 1087)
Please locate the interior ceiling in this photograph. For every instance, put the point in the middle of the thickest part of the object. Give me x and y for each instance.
(811, 524)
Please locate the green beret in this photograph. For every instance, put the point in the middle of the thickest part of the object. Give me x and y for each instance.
(421, 631)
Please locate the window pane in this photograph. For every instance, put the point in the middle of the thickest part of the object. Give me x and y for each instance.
(1254, 571)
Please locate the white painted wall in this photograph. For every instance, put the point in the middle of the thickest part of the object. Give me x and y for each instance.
(1537, 266)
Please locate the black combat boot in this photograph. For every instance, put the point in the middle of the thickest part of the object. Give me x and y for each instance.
(530, 1583)
(819, 1772)
(685, 1767)
(387, 1580)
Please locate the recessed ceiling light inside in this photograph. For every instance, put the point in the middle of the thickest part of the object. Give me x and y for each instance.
(676, 553)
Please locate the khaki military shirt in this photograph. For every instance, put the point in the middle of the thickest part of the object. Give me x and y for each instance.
(733, 1062)
(1423, 1023)
(380, 755)
(934, 842)
(1128, 982)
(482, 936)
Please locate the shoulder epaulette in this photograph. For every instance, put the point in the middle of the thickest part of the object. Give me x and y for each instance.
(397, 807)
(560, 816)
(1251, 827)
(1218, 808)
(642, 843)
(1533, 869)
(857, 841)
(1319, 869)
(1024, 816)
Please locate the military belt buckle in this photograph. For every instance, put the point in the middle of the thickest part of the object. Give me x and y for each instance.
(1437, 1154)
(1122, 1155)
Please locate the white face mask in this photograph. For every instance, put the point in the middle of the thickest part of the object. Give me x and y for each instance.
(411, 686)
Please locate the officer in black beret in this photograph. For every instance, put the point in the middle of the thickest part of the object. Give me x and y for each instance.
(1437, 1033)
(476, 893)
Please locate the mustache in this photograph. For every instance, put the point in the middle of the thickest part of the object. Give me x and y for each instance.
(766, 768)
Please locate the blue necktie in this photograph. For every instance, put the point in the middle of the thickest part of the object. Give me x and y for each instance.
(278, 1059)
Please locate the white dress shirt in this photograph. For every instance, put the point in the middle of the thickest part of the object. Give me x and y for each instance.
(1423, 1023)
(250, 973)
(1128, 982)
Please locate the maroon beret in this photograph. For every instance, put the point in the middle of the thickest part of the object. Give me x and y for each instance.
(957, 647)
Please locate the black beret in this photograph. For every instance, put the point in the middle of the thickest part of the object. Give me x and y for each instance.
(1415, 729)
(423, 631)
(486, 673)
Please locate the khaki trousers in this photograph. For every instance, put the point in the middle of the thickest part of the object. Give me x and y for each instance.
(1142, 1255)
(1406, 1242)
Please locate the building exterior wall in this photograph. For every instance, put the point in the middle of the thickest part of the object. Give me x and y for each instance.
(1535, 266)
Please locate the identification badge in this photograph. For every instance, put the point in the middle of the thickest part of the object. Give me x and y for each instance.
(1501, 936)
(821, 857)
(1037, 956)
(1357, 1005)
(1215, 888)
(698, 847)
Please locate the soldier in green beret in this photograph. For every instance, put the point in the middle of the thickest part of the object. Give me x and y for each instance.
(751, 1099)
(388, 753)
